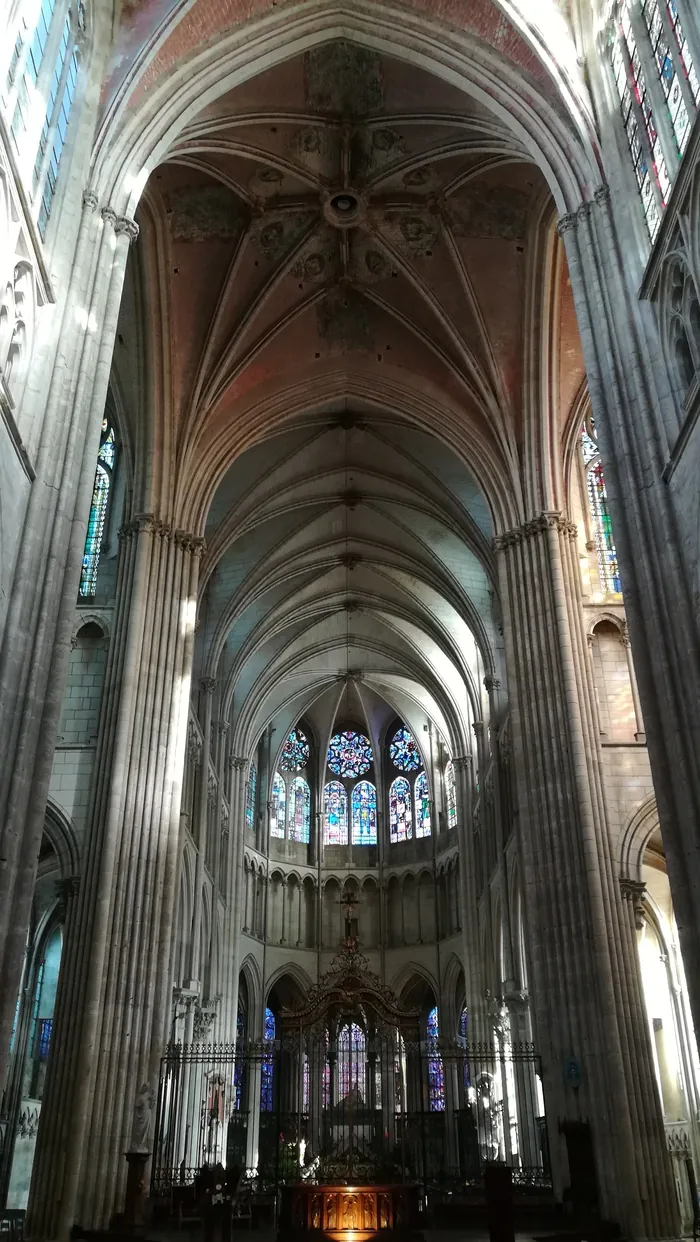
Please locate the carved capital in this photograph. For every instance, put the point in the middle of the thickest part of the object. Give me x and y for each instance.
(634, 891)
(536, 526)
(66, 890)
(124, 227)
(109, 216)
(602, 194)
(567, 223)
(208, 685)
(584, 211)
(491, 683)
(90, 200)
(462, 762)
(237, 762)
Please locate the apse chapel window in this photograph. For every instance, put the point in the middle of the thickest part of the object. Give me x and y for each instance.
(267, 1068)
(598, 506)
(658, 91)
(39, 93)
(98, 510)
(349, 758)
(290, 815)
(409, 794)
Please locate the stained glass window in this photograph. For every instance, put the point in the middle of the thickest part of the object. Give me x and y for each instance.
(600, 514)
(98, 510)
(335, 814)
(278, 814)
(299, 810)
(668, 77)
(463, 1032)
(295, 752)
(400, 814)
(364, 814)
(250, 795)
(421, 792)
(349, 754)
(628, 93)
(238, 1068)
(306, 1087)
(436, 1079)
(351, 1061)
(451, 795)
(404, 752)
(268, 1064)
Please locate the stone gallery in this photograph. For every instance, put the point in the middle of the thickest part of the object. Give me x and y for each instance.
(349, 612)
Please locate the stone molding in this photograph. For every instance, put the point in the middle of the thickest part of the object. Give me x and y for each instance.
(147, 523)
(537, 526)
(570, 221)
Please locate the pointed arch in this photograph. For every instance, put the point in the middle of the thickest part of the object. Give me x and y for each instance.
(400, 811)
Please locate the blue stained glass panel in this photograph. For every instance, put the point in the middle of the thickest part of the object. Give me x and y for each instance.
(299, 810)
(404, 752)
(364, 814)
(605, 544)
(268, 1065)
(335, 814)
(436, 1078)
(278, 816)
(349, 754)
(400, 813)
(351, 1060)
(451, 795)
(421, 792)
(295, 752)
(98, 511)
(238, 1068)
(251, 796)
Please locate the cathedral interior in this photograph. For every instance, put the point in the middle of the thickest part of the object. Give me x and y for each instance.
(349, 612)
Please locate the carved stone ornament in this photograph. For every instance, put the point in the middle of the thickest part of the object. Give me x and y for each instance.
(634, 891)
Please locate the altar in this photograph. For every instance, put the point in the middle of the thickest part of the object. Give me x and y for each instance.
(348, 1213)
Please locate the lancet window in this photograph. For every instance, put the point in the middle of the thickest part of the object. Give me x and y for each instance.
(299, 810)
(450, 794)
(364, 814)
(98, 510)
(436, 1077)
(268, 1064)
(251, 795)
(599, 511)
(335, 814)
(290, 802)
(351, 1061)
(409, 800)
(657, 86)
(349, 757)
(39, 93)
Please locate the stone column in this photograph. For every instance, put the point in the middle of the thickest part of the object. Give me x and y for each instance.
(469, 919)
(637, 423)
(200, 831)
(36, 638)
(113, 1001)
(589, 1020)
(236, 902)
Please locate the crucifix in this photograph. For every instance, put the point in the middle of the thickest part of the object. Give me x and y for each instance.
(349, 903)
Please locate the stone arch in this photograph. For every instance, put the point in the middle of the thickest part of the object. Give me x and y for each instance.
(61, 833)
(635, 837)
(90, 618)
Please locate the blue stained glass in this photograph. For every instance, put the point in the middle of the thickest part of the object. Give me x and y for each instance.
(349, 754)
(436, 1079)
(98, 511)
(45, 1030)
(306, 1087)
(268, 1065)
(605, 544)
(299, 810)
(364, 814)
(238, 1068)
(278, 816)
(421, 792)
(351, 1060)
(463, 1032)
(400, 814)
(404, 752)
(451, 795)
(295, 752)
(335, 814)
(251, 796)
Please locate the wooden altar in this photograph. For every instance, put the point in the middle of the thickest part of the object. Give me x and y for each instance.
(348, 1213)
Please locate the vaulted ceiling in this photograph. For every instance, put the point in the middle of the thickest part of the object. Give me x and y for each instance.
(344, 258)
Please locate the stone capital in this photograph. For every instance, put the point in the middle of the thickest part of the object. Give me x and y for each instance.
(634, 891)
(567, 223)
(237, 762)
(109, 216)
(491, 683)
(124, 227)
(208, 685)
(90, 200)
